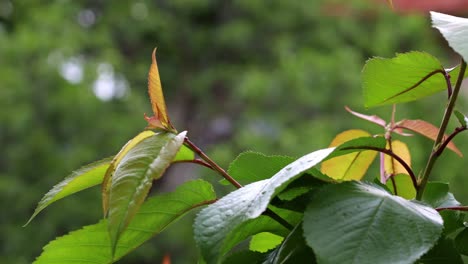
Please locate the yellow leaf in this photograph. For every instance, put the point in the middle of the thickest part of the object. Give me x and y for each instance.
(392, 166)
(160, 118)
(115, 162)
(351, 166)
(402, 185)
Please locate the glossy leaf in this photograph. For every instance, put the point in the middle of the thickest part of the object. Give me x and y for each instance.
(404, 78)
(134, 175)
(461, 118)
(403, 185)
(455, 31)
(428, 130)
(392, 166)
(160, 118)
(216, 221)
(352, 166)
(81, 179)
(115, 162)
(356, 222)
(91, 244)
(265, 241)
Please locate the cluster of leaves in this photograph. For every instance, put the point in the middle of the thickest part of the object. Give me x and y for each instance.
(291, 211)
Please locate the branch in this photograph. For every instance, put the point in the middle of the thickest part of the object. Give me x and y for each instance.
(448, 139)
(453, 208)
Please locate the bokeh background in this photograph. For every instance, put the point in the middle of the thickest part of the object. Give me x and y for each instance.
(269, 76)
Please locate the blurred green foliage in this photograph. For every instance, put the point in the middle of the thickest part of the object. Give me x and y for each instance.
(270, 76)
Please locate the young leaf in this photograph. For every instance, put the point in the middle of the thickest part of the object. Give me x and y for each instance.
(371, 118)
(115, 162)
(352, 166)
(356, 222)
(428, 130)
(265, 241)
(184, 154)
(403, 185)
(160, 118)
(393, 167)
(91, 244)
(134, 176)
(455, 31)
(243, 204)
(404, 78)
(86, 177)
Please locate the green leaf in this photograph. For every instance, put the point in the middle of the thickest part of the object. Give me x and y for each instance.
(461, 242)
(437, 195)
(461, 118)
(251, 166)
(134, 175)
(356, 222)
(184, 154)
(262, 242)
(404, 78)
(245, 257)
(81, 179)
(217, 220)
(292, 250)
(91, 245)
(404, 186)
(455, 31)
(443, 252)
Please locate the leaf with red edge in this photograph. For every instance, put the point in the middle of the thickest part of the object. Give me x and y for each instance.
(160, 118)
(428, 130)
(371, 118)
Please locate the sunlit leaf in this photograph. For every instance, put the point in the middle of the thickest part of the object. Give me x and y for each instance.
(392, 166)
(428, 130)
(455, 31)
(91, 244)
(114, 163)
(184, 154)
(404, 78)
(402, 185)
(262, 242)
(134, 175)
(357, 222)
(160, 118)
(81, 179)
(352, 166)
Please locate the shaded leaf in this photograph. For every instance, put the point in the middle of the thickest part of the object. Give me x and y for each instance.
(428, 130)
(392, 166)
(455, 31)
(262, 242)
(215, 222)
(443, 252)
(134, 175)
(115, 162)
(461, 242)
(91, 244)
(404, 78)
(292, 250)
(81, 179)
(403, 184)
(244, 257)
(366, 224)
(352, 166)
(160, 118)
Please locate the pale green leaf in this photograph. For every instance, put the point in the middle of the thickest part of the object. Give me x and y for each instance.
(81, 179)
(91, 245)
(402, 185)
(262, 242)
(356, 222)
(134, 175)
(455, 31)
